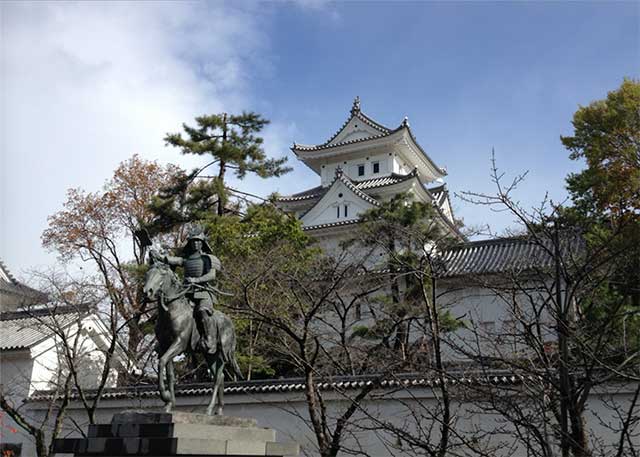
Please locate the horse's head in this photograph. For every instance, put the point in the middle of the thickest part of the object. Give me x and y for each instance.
(156, 281)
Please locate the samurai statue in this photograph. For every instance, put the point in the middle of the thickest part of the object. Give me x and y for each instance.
(200, 266)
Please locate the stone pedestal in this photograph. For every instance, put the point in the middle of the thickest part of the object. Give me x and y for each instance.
(141, 433)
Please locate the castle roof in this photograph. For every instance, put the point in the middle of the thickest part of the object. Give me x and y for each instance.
(460, 377)
(13, 293)
(360, 131)
(366, 184)
(365, 189)
(504, 255)
(24, 329)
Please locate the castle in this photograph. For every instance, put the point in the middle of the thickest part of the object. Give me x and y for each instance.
(361, 165)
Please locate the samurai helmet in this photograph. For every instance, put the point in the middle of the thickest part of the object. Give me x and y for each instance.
(196, 232)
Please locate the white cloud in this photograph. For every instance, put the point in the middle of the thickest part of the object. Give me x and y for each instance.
(86, 85)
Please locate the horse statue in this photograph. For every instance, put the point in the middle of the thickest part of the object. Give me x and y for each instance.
(177, 333)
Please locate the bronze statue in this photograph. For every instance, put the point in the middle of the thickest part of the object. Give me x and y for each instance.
(187, 320)
(200, 267)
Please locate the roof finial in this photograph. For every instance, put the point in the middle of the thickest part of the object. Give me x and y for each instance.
(405, 121)
(339, 171)
(356, 105)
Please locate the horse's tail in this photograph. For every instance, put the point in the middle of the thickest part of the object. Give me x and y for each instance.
(234, 368)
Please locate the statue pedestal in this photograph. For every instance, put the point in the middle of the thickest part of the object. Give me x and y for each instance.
(159, 434)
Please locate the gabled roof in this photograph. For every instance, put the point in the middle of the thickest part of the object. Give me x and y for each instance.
(376, 132)
(340, 176)
(441, 199)
(349, 184)
(24, 329)
(356, 113)
(438, 195)
(331, 224)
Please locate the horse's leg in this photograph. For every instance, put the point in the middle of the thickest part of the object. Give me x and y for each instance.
(216, 368)
(166, 394)
(220, 384)
(162, 370)
(171, 377)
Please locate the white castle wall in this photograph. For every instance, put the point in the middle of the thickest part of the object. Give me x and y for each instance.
(350, 167)
(287, 414)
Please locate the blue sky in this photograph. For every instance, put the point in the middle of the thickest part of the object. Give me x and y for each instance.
(86, 85)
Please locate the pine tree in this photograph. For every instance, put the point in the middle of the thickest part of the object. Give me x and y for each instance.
(233, 144)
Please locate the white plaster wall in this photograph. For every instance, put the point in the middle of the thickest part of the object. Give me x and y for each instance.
(287, 414)
(350, 167)
(331, 245)
(401, 166)
(24, 372)
(16, 368)
(45, 365)
(490, 320)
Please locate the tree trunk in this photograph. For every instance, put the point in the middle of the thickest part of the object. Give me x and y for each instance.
(223, 167)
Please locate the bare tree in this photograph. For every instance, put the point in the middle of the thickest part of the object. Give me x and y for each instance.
(83, 345)
(98, 229)
(561, 327)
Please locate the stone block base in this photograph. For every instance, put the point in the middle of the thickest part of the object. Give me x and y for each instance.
(140, 433)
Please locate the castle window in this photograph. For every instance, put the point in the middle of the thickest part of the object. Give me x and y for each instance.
(338, 212)
(376, 167)
(346, 210)
(361, 169)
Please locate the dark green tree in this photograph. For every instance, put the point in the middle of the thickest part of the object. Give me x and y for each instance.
(408, 234)
(607, 136)
(233, 144)
(606, 196)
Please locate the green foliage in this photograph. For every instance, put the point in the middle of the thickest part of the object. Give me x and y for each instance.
(257, 250)
(232, 140)
(448, 322)
(262, 227)
(401, 220)
(233, 145)
(363, 331)
(606, 209)
(407, 234)
(607, 136)
(257, 365)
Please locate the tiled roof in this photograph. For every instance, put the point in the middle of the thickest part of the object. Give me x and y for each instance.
(415, 140)
(404, 125)
(356, 112)
(298, 385)
(318, 147)
(340, 176)
(304, 195)
(355, 189)
(331, 224)
(365, 184)
(439, 194)
(383, 181)
(24, 329)
(503, 255)
(6, 271)
(14, 287)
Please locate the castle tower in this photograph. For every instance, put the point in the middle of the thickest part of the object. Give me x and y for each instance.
(362, 164)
